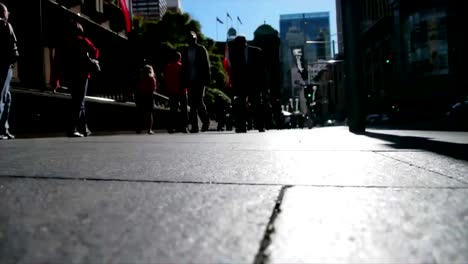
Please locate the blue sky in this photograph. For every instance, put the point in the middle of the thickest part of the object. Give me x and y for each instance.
(253, 13)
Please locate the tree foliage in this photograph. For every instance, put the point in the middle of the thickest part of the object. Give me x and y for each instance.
(153, 41)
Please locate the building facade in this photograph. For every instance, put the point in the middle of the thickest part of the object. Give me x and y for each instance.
(305, 39)
(151, 10)
(41, 27)
(339, 26)
(175, 6)
(378, 54)
(431, 43)
(413, 53)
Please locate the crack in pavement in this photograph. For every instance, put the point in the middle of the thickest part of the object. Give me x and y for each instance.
(91, 179)
(422, 168)
(262, 255)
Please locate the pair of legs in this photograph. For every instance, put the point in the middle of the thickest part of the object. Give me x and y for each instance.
(144, 104)
(242, 114)
(178, 121)
(78, 89)
(5, 101)
(196, 96)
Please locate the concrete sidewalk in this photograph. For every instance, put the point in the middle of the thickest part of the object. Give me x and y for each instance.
(291, 196)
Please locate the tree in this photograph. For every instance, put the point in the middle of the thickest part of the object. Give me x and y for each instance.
(154, 40)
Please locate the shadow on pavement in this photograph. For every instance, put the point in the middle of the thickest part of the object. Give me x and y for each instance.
(454, 150)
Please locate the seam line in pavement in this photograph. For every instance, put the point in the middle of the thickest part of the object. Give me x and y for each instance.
(420, 167)
(44, 178)
(262, 255)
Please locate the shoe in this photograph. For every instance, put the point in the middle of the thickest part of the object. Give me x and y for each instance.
(138, 132)
(184, 130)
(75, 134)
(3, 137)
(193, 131)
(8, 135)
(261, 130)
(205, 127)
(170, 131)
(150, 132)
(86, 133)
(241, 130)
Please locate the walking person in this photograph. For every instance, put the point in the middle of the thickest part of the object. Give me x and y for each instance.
(8, 56)
(196, 76)
(144, 99)
(177, 93)
(248, 82)
(75, 59)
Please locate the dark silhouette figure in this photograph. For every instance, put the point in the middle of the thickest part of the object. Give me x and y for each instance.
(144, 100)
(248, 81)
(74, 61)
(8, 56)
(196, 76)
(177, 93)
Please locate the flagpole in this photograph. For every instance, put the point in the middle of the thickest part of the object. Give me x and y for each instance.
(217, 39)
(227, 24)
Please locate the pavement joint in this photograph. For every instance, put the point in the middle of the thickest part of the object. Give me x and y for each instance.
(45, 178)
(422, 168)
(262, 254)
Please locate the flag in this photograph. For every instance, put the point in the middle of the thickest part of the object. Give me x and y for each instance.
(238, 19)
(126, 13)
(227, 65)
(219, 20)
(229, 16)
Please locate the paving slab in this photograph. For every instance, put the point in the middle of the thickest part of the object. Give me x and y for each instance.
(444, 165)
(371, 225)
(176, 159)
(69, 221)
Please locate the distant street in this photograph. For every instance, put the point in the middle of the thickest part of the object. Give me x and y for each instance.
(292, 196)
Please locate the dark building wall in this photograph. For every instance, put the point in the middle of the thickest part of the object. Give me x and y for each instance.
(430, 40)
(28, 27)
(40, 28)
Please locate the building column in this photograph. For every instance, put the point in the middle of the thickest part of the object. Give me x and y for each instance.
(351, 12)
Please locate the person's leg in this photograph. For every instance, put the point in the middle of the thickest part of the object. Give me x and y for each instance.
(193, 102)
(5, 102)
(171, 123)
(259, 113)
(149, 121)
(82, 120)
(183, 112)
(240, 113)
(202, 108)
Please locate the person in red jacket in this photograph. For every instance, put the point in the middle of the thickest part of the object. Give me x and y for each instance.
(72, 68)
(177, 94)
(144, 100)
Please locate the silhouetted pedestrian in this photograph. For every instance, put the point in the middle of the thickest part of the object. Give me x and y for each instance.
(144, 99)
(248, 82)
(177, 92)
(8, 56)
(196, 76)
(74, 61)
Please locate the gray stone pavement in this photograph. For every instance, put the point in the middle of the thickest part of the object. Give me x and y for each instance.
(293, 196)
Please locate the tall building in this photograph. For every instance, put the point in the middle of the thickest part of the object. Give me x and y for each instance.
(305, 39)
(174, 5)
(152, 10)
(413, 53)
(376, 43)
(339, 25)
